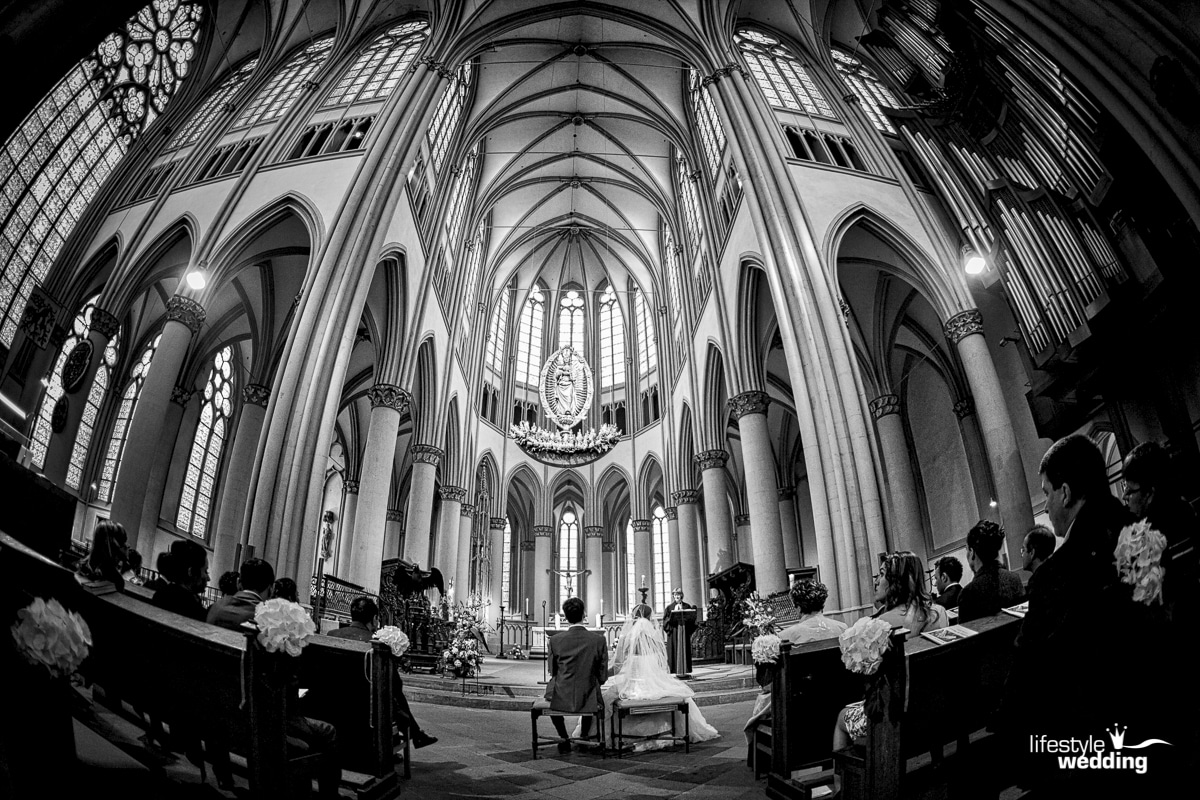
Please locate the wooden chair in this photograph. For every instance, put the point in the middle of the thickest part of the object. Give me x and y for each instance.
(541, 708)
(670, 705)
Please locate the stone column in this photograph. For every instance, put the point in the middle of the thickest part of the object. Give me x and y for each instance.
(388, 402)
(675, 557)
(232, 514)
(692, 577)
(742, 548)
(612, 605)
(977, 460)
(965, 332)
(790, 527)
(466, 552)
(183, 320)
(420, 505)
(643, 562)
(543, 555)
(762, 491)
(393, 537)
(448, 545)
(525, 585)
(78, 374)
(349, 516)
(716, 509)
(496, 578)
(593, 561)
(907, 528)
(169, 463)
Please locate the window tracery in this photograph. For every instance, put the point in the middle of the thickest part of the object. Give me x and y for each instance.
(782, 78)
(285, 86)
(445, 118)
(129, 398)
(198, 123)
(381, 65)
(571, 320)
(39, 438)
(612, 341)
(529, 339)
(199, 484)
(87, 424)
(568, 554)
(872, 94)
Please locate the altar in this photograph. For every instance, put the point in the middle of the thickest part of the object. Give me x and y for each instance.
(537, 645)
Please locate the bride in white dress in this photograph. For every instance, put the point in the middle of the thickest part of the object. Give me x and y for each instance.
(639, 672)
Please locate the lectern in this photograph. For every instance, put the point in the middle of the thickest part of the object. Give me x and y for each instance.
(683, 622)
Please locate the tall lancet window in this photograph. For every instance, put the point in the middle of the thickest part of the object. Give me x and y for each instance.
(660, 542)
(202, 117)
(647, 347)
(782, 78)
(568, 555)
(87, 425)
(712, 134)
(689, 201)
(285, 86)
(529, 338)
(631, 577)
(506, 579)
(54, 163)
(380, 67)
(446, 116)
(612, 341)
(671, 265)
(129, 398)
(39, 438)
(872, 95)
(570, 320)
(497, 333)
(200, 482)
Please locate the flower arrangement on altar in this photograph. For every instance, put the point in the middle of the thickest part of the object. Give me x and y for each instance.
(536, 440)
(514, 652)
(1139, 561)
(283, 626)
(47, 635)
(394, 638)
(863, 645)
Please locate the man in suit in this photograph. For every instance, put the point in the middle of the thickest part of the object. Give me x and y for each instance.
(675, 629)
(363, 613)
(949, 573)
(256, 578)
(578, 665)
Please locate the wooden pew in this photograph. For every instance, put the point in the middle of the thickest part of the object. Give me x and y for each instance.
(952, 691)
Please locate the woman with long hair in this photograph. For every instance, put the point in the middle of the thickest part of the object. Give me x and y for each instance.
(101, 570)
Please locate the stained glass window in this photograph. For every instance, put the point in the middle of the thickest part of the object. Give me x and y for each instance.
(474, 256)
(568, 555)
(285, 86)
(671, 263)
(39, 439)
(446, 116)
(712, 134)
(380, 66)
(688, 201)
(529, 339)
(660, 542)
(129, 398)
(612, 341)
(647, 347)
(570, 320)
(506, 579)
(200, 482)
(54, 163)
(87, 425)
(198, 123)
(780, 75)
(497, 334)
(464, 181)
(872, 94)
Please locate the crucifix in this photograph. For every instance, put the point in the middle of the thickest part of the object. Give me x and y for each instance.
(569, 574)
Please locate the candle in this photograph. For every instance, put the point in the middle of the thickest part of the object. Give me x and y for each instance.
(602, 606)
(526, 606)
(643, 583)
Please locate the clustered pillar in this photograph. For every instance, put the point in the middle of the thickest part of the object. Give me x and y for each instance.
(716, 509)
(542, 561)
(907, 528)
(689, 546)
(593, 560)
(420, 503)
(388, 402)
(496, 578)
(232, 514)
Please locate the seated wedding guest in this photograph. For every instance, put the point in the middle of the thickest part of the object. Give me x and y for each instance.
(285, 589)
(1150, 494)
(1038, 546)
(257, 578)
(949, 573)
(162, 566)
(363, 614)
(810, 596)
(101, 571)
(228, 583)
(993, 587)
(133, 568)
(900, 587)
(189, 576)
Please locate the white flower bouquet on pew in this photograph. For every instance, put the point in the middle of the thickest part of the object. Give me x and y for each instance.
(394, 638)
(863, 645)
(47, 635)
(1139, 561)
(283, 626)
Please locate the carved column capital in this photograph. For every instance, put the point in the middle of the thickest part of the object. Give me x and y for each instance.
(749, 403)
(453, 494)
(610, 547)
(104, 323)
(426, 454)
(786, 493)
(641, 525)
(884, 404)
(543, 530)
(711, 459)
(257, 394)
(497, 523)
(350, 486)
(593, 532)
(467, 510)
(671, 512)
(395, 515)
(187, 311)
(180, 395)
(527, 546)
(685, 496)
(741, 520)
(963, 324)
(388, 395)
(964, 408)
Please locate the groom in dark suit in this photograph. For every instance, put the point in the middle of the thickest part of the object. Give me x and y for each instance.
(578, 665)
